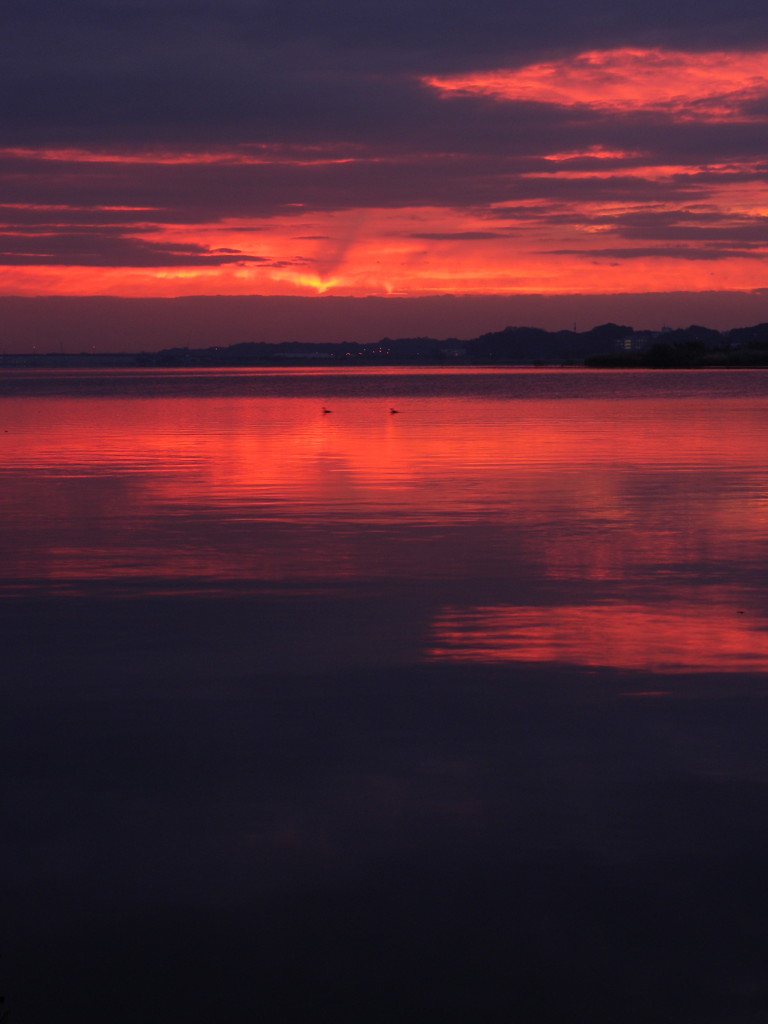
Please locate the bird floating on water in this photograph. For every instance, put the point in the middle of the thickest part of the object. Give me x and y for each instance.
(326, 410)
(393, 411)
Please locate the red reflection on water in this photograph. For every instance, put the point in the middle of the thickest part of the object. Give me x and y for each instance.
(494, 495)
(673, 637)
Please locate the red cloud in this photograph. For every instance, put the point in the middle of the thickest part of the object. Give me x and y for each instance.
(707, 86)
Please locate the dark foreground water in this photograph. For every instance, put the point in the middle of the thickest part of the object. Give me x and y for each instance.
(456, 713)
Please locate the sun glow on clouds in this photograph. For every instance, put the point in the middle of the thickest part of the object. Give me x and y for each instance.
(583, 209)
(319, 284)
(690, 85)
(538, 245)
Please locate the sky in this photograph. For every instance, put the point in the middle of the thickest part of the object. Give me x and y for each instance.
(411, 150)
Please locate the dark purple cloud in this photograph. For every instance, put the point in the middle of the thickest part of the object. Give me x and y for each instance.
(675, 252)
(209, 72)
(110, 248)
(194, 192)
(689, 226)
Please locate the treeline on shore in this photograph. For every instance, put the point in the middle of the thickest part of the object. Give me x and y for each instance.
(608, 345)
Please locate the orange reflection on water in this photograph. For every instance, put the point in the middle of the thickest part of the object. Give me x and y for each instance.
(679, 636)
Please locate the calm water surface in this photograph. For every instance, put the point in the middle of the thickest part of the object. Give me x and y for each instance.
(453, 710)
(592, 518)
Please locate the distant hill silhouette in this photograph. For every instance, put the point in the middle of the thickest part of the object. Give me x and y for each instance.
(607, 345)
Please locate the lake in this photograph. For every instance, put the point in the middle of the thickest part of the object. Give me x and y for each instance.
(366, 693)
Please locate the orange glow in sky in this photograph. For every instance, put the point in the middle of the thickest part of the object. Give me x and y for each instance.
(567, 211)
